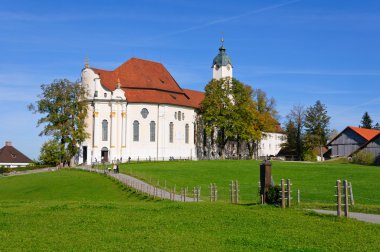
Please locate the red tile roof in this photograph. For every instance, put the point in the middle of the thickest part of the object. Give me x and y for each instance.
(9, 154)
(148, 82)
(368, 134)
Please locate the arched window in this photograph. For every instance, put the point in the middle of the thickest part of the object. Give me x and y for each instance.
(171, 129)
(152, 131)
(105, 130)
(187, 133)
(179, 115)
(136, 134)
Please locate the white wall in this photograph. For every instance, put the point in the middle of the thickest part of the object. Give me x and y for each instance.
(121, 115)
(270, 144)
(222, 72)
(13, 165)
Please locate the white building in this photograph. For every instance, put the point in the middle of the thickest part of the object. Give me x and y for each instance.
(138, 111)
(271, 142)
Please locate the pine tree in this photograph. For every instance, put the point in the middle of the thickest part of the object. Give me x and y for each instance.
(366, 121)
(377, 126)
(316, 126)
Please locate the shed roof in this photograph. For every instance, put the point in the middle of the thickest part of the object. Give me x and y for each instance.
(9, 154)
(367, 134)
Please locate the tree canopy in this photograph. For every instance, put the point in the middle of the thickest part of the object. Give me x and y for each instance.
(317, 125)
(64, 111)
(294, 131)
(236, 112)
(366, 121)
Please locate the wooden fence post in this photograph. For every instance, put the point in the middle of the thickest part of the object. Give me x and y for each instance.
(215, 193)
(339, 199)
(232, 192)
(289, 193)
(194, 193)
(236, 192)
(198, 193)
(282, 193)
(211, 189)
(345, 185)
(351, 194)
(298, 197)
(184, 196)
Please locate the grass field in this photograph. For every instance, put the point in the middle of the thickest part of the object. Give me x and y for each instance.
(81, 211)
(316, 181)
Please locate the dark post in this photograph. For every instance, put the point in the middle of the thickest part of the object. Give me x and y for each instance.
(265, 178)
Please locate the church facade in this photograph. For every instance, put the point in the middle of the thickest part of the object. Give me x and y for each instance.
(138, 111)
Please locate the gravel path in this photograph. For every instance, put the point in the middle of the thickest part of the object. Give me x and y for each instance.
(371, 218)
(141, 186)
(16, 173)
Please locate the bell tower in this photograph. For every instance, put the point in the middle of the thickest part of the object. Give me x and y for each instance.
(221, 65)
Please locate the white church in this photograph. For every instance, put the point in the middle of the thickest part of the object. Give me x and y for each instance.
(138, 111)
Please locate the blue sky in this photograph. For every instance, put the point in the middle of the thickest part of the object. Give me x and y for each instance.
(296, 51)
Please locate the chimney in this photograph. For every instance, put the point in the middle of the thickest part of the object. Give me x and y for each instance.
(8, 143)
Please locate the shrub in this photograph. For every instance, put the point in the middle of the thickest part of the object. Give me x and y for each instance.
(273, 195)
(363, 157)
(309, 155)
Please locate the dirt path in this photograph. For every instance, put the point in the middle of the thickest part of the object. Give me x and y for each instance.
(17, 173)
(371, 218)
(141, 186)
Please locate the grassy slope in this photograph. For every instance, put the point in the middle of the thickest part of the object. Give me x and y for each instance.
(81, 211)
(315, 180)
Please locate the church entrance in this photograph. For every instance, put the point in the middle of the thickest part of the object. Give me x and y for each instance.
(84, 154)
(104, 154)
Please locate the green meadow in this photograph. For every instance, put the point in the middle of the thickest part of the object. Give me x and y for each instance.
(72, 210)
(316, 181)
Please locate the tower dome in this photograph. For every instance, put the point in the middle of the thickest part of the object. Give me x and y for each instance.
(222, 59)
(221, 65)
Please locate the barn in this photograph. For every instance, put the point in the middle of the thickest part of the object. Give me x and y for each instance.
(372, 146)
(350, 140)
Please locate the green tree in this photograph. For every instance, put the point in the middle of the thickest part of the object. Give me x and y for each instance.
(297, 117)
(316, 126)
(229, 110)
(377, 126)
(266, 117)
(50, 153)
(64, 111)
(290, 146)
(366, 121)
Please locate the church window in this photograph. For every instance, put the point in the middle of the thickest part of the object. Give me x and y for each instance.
(179, 115)
(144, 113)
(105, 95)
(105, 130)
(187, 133)
(96, 94)
(136, 126)
(175, 115)
(152, 131)
(183, 116)
(171, 133)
